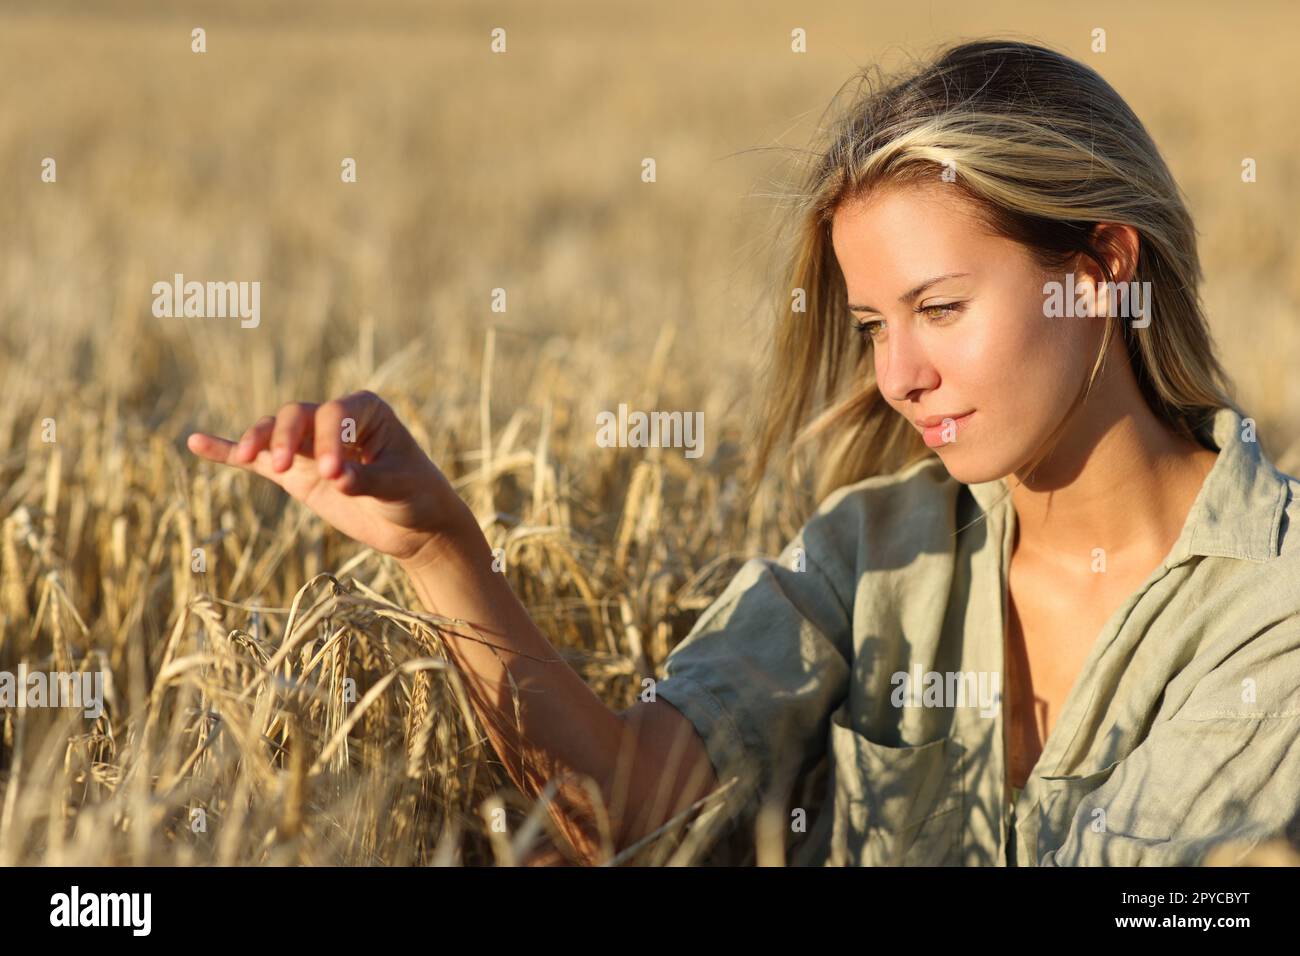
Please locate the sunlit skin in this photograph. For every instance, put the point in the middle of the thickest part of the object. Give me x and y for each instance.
(1117, 478)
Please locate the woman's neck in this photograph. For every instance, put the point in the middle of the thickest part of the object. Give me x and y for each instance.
(1119, 479)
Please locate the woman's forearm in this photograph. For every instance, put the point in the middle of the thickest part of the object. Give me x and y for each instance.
(564, 730)
(373, 482)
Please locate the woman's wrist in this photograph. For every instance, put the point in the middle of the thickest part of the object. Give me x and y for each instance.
(458, 540)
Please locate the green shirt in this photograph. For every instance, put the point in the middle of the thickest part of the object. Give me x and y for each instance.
(1181, 730)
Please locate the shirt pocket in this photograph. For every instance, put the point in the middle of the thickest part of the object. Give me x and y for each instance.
(1065, 819)
(894, 806)
(1059, 802)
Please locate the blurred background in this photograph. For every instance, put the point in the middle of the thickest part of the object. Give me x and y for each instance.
(474, 171)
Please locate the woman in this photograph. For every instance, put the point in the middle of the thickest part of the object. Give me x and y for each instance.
(1030, 483)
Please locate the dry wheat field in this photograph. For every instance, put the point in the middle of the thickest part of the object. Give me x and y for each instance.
(289, 703)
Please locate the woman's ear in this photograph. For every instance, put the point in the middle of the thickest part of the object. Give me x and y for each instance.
(1118, 246)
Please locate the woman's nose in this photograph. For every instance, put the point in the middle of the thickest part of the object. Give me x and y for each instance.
(903, 368)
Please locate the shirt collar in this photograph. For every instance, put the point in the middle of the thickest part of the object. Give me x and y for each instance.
(1238, 511)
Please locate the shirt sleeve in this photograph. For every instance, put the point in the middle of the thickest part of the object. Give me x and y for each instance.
(1225, 769)
(767, 662)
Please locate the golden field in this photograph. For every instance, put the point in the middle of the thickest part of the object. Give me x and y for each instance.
(476, 171)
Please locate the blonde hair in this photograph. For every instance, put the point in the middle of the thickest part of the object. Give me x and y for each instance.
(1046, 150)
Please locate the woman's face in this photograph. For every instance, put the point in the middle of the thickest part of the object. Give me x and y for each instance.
(962, 348)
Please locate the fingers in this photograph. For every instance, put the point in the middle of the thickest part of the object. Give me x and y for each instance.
(342, 427)
(380, 480)
(337, 434)
(292, 423)
(254, 440)
(210, 447)
(281, 434)
(226, 452)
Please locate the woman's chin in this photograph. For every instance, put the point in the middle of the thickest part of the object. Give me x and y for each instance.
(971, 469)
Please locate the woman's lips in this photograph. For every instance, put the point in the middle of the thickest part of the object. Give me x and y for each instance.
(934, 435)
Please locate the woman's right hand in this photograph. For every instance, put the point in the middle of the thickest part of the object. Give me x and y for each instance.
(353, 463)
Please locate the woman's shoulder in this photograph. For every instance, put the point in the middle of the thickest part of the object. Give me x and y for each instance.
(923, 485)
(1247, 609)
(886, 520)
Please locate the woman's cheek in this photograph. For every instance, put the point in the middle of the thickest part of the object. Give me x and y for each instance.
(980, 358)
(1034, 346)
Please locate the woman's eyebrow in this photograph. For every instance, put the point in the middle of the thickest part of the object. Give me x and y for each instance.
(912, 293)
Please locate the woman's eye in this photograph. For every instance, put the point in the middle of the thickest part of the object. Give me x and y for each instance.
(940, 311)
(869, 328)
(874, 329)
